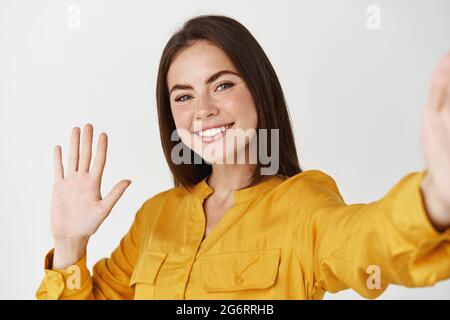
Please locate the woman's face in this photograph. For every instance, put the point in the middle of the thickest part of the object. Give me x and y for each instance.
(210, 102)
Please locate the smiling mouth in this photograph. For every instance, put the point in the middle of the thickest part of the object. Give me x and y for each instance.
(212, 134)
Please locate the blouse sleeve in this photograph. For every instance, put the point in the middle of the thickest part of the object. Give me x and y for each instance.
(110, 278)
(365, 247)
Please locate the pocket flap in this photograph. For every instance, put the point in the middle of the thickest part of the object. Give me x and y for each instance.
(147, 267)
(241, 270)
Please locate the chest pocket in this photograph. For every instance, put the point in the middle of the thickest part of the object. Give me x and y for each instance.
(240, 270)
(144, 275)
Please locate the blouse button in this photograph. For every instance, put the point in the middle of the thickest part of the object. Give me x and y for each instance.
(238, 280)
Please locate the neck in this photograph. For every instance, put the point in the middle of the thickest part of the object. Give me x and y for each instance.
(226, 178)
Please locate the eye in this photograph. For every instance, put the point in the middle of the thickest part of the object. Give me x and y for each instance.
(225, 85)
(182, 98)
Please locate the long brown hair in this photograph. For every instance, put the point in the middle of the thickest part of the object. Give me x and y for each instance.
(252, 63)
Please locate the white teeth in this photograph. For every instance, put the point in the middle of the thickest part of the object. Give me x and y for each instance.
(213, 131)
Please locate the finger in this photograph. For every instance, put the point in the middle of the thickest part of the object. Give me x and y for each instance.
(114, 195)
(58, 166)
(74, 150)
(439, 84)
(86, 148)
(100, 156)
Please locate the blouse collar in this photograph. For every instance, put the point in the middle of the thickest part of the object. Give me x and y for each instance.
(202, 190)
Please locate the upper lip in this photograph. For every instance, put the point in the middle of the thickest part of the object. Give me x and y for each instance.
(214, 126)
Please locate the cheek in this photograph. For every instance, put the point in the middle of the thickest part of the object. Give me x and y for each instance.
(181, 118)
(240, 105)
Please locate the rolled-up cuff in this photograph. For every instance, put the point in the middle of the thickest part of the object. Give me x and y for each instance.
(65, 282)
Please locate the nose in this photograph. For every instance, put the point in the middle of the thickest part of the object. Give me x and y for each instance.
(205, 108)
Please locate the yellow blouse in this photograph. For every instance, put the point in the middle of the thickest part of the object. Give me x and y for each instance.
(291, 238)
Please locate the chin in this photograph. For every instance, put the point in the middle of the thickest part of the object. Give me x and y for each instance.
(221, 157)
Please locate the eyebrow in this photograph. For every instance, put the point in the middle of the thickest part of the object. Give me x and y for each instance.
(211, 79)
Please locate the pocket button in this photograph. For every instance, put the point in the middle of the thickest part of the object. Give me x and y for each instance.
(238, 280)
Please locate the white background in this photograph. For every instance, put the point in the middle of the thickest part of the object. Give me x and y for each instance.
(355, 97)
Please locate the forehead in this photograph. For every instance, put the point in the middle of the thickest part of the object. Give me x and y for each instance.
(197, 62)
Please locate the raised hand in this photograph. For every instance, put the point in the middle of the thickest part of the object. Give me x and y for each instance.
(436, 146)
(78, 208)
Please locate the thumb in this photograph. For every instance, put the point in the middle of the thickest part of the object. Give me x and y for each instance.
(116, 192)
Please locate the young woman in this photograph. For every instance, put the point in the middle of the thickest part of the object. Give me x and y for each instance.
(261, 229)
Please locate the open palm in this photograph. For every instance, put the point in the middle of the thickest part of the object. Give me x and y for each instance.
(78, 208)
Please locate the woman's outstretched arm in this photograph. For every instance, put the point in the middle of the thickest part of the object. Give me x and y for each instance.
(403, 238)
(367, 246)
